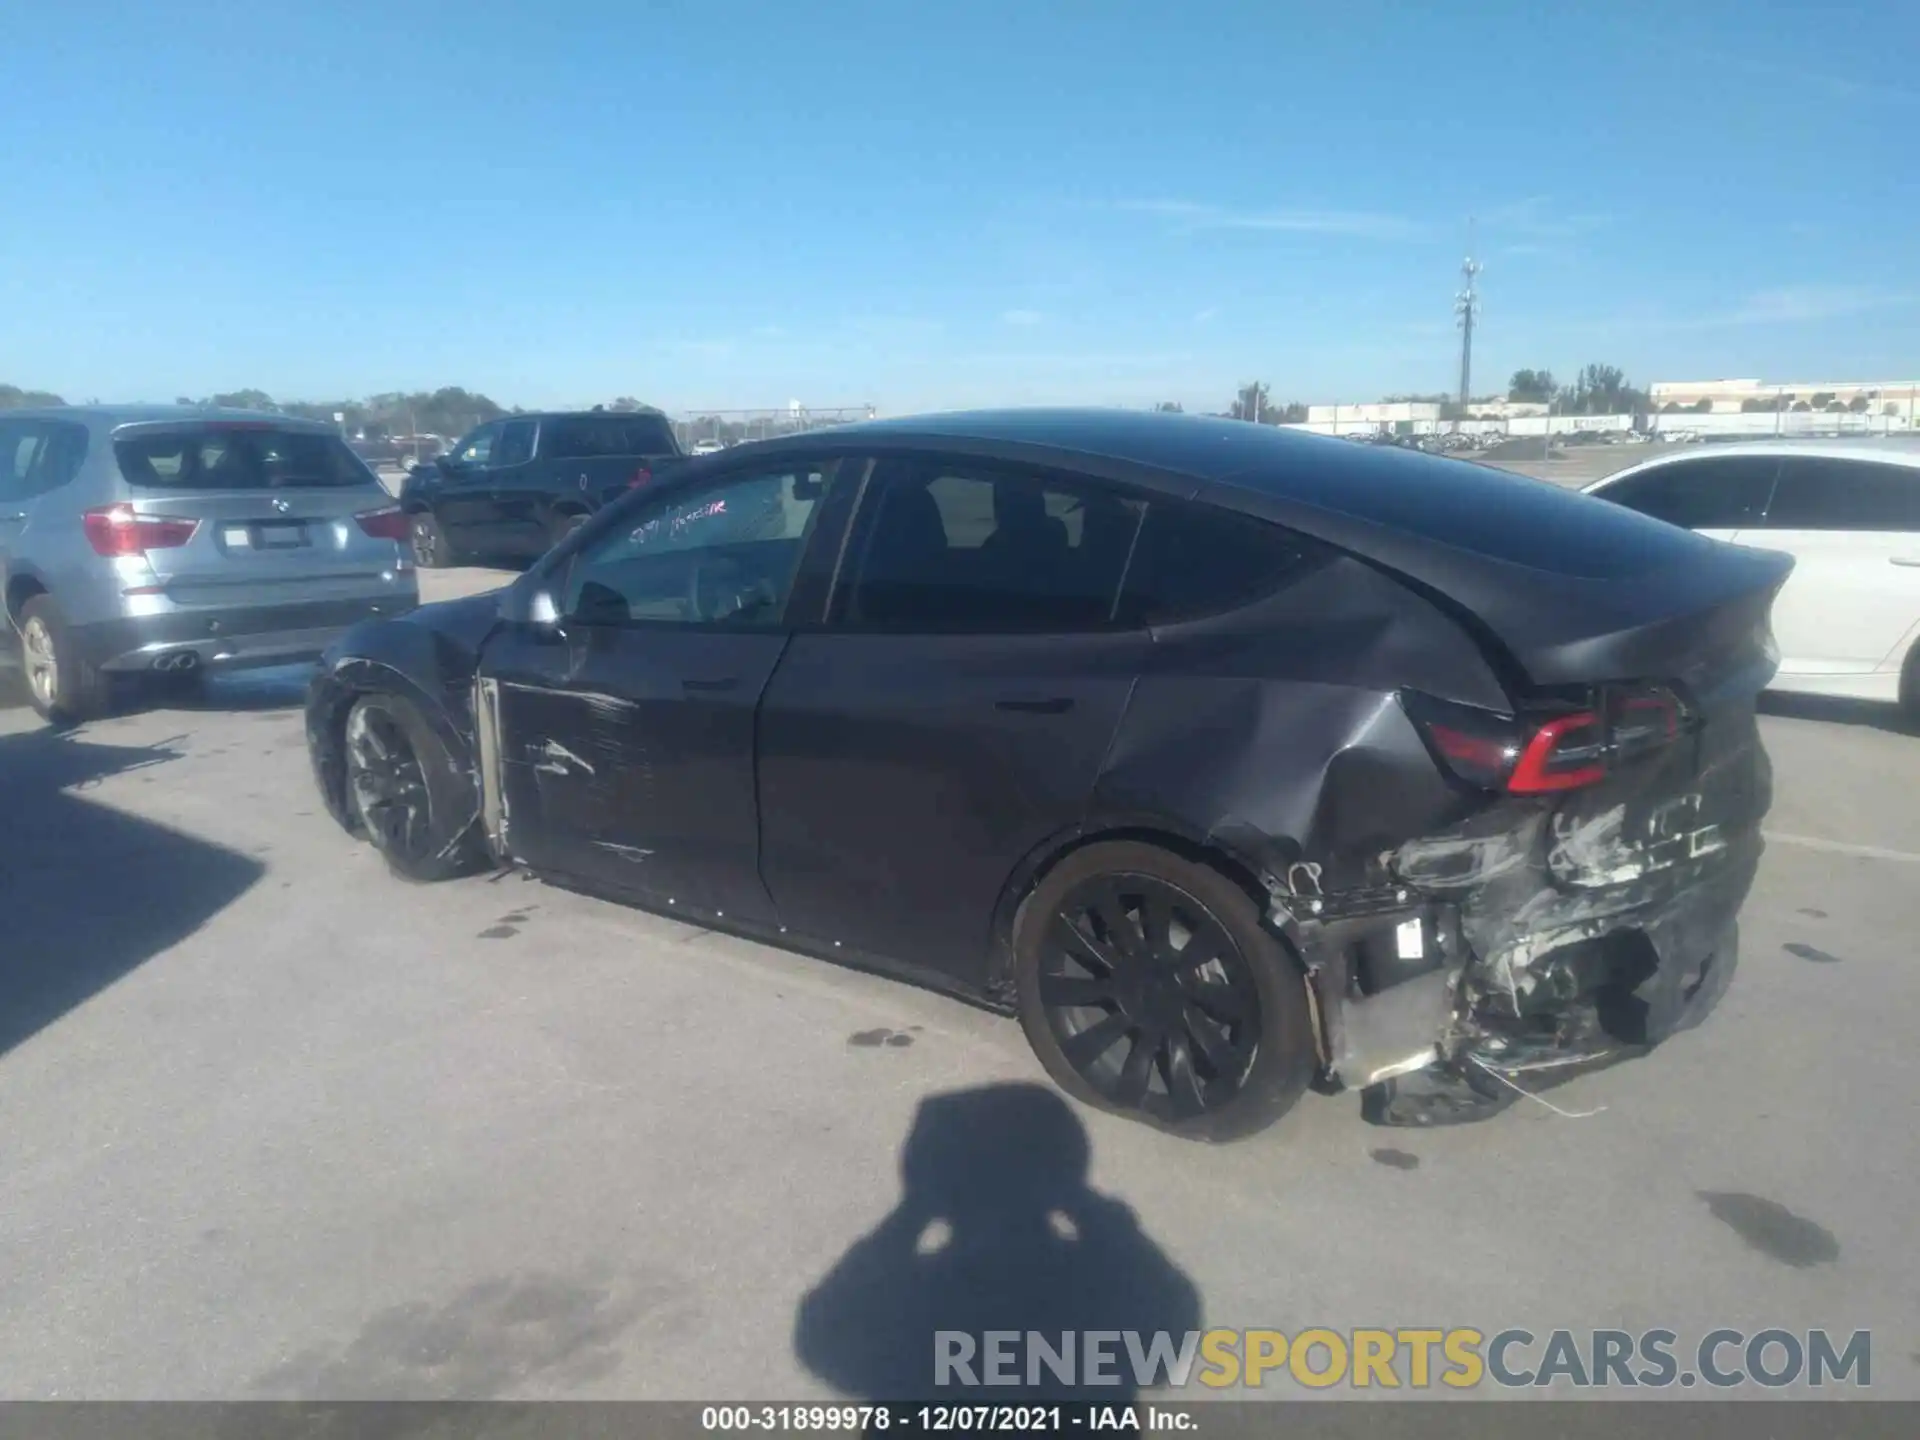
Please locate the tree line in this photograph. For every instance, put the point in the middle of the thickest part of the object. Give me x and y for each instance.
(449, 411)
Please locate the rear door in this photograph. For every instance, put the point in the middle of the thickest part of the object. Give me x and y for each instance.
(952, 714)
(275, 511)
(1853, 526)
(37, 457)
(1716, 495)
(627, 730)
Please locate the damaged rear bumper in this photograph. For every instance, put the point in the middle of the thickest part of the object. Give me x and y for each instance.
(1534, 943)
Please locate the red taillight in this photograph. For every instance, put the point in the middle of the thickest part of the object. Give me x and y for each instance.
(392, 523)
(114, 530)
(1566, 753)
(1561, 752)
(642, 476)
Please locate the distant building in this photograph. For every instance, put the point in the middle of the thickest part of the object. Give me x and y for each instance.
(1380, 412)
(1718, 397)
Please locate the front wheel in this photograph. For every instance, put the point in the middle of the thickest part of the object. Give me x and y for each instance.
(1147, 987)
(403, 794)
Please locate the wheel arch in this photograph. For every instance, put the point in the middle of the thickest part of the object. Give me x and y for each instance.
(22, 586)
(1157, 831)
(335, 692)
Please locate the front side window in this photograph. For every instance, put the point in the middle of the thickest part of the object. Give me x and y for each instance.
(724, 553)
(1725, 492)
(477, 448)
(516, 443)
(950, 549)
(1817, 493)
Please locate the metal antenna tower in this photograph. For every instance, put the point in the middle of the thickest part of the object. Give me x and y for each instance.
(1467, 306)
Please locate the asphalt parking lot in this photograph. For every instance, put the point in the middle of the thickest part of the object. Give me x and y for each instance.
(278, 1124)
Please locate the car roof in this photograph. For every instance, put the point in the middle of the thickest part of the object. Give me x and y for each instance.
(1888, 450)
(110, 417)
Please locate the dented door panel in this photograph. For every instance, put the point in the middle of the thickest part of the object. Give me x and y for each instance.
(627, 760)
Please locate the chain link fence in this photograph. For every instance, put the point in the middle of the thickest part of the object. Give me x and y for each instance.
(734, 427)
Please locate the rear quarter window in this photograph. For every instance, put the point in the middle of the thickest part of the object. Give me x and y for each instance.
(1193, 560)
(238, 458)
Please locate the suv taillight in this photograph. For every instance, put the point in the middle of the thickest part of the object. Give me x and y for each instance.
(642, 476)
(390, 523)
(114, 530)
(1545, 754)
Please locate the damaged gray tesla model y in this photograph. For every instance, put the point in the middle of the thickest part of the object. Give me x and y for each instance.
(1232, 760)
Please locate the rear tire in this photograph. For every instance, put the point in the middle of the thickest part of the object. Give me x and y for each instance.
(564, 524)
(1126, 1016)
(402, 793)
(431, 549)
(61, 686)
(1910, 689)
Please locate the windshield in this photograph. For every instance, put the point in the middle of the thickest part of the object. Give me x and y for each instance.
(238, 458)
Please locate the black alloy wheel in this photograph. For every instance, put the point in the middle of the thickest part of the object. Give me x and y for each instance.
(1148, 986)
(388, 785)
(1150, 999)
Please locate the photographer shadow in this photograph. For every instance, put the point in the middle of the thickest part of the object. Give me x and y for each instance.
(997, 1230)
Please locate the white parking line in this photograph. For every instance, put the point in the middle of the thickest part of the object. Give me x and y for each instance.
(1841, 847)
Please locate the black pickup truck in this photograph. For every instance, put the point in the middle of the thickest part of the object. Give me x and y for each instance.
(516, 487)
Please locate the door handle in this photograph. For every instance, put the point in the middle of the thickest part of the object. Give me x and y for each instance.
(729, 682)
(1911, 561)
(1053, 705)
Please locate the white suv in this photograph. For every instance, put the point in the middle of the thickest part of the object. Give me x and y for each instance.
(1848, 621)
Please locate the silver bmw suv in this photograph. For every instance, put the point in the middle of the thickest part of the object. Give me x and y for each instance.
(163, 542)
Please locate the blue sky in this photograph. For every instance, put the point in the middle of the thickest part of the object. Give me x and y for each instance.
(937, 203)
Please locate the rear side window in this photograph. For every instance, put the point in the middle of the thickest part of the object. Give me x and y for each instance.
(1194, 560)
(238, 458)
(516, 443)
(955, 550)
(622, 436)
(1725, 492)
(39, 455)
(1816, 493)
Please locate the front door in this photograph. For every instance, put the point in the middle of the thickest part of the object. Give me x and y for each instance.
(516, 489)
(954, 713)
(463, 500)
(627, 730)
(1853, 528)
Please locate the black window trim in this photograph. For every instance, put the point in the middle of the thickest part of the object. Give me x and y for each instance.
(557, 580)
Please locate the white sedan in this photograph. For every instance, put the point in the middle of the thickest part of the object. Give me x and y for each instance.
(1848, 620)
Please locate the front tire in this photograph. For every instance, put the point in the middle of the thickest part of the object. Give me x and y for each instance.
(61, 686)
(1148, 988)
(402, 793)
(1910, 689)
